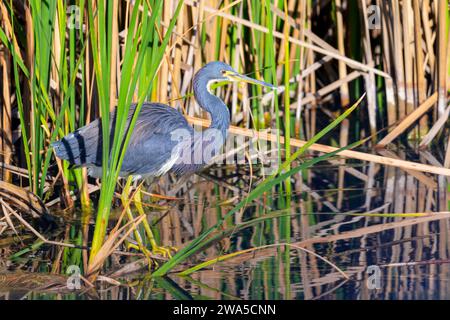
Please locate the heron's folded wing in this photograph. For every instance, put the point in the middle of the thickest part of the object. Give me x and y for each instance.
(151, 150)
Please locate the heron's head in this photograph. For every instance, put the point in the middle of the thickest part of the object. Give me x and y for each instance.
(219, 71)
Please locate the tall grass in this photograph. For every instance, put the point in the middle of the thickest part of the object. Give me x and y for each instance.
(134, 56)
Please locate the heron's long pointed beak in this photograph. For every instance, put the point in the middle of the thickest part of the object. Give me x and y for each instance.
(240, 77)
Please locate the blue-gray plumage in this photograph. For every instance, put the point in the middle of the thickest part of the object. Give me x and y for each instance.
(152, 150)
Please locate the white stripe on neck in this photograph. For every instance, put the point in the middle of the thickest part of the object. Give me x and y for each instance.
(208, 85)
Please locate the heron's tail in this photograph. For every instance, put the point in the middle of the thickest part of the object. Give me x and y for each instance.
(60, 150)
(71, 149)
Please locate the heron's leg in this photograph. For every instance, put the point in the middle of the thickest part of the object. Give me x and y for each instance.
(165, 252)
(126, 203)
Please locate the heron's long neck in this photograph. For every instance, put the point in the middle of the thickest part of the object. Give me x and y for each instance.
(220, 116)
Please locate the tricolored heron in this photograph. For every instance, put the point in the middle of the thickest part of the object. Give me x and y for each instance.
(151, 149)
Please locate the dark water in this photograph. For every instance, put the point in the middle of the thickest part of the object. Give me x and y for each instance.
(332, 255)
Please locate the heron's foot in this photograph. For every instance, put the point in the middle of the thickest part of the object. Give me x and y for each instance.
(155, 253)
(165, 252)
(147, 253)
(152, 260)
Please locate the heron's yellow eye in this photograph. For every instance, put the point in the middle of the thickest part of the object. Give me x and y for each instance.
(223, 72)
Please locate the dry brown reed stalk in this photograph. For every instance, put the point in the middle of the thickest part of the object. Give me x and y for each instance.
(409, 120)
(8, 211)
(114, 240)
(22, 199)
(327, 149)
(350, 62)
(5, 111)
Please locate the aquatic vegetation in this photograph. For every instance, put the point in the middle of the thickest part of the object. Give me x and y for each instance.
(352, 149)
